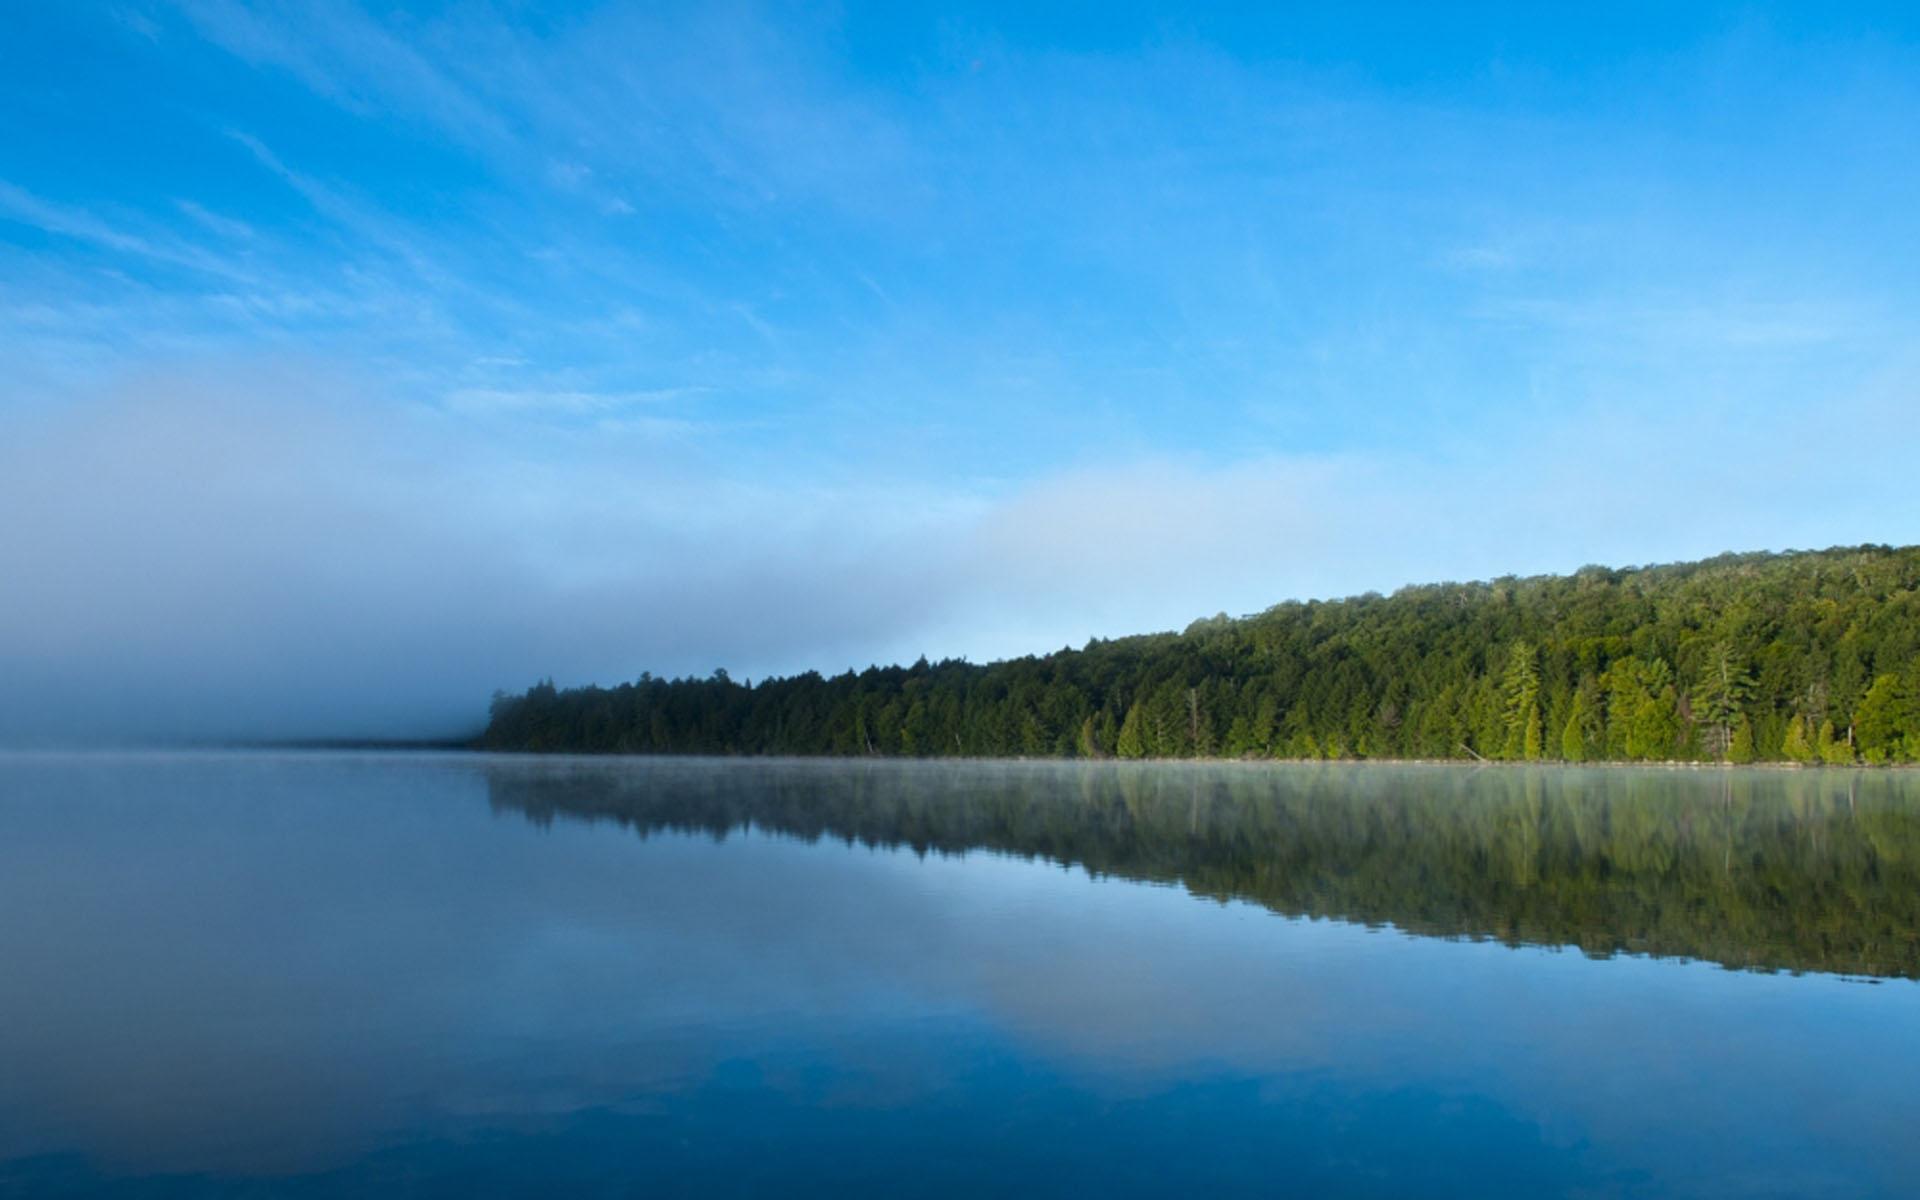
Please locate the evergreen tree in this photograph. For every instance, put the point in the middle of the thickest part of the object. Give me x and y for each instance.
(1718, 698)
(1132, 742)
(1742, 748)
(1643, 718)
(1655, 733)
(1585, 733)
(1882, 720)
(1795, 748)
(1520, 688)
(1573, 741)
(1088, 745)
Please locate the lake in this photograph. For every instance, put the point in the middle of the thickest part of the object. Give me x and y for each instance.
(460, 975)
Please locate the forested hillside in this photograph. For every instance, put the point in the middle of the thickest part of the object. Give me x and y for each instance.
(1804, 656)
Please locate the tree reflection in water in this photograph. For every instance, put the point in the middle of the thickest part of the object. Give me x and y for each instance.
(1755, 870)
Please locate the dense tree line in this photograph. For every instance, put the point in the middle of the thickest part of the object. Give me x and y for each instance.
(1810, 657)
(1775, 871)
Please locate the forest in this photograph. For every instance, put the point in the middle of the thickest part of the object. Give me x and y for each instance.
(1808, 657)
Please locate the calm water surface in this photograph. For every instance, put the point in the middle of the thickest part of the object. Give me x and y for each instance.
(454, 976)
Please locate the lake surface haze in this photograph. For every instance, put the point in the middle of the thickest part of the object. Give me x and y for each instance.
(458, 975)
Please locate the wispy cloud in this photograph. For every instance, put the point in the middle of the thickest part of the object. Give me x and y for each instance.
(349, 57)
(226, 227)
(562, 403)
(1699, 324)
(20, 205)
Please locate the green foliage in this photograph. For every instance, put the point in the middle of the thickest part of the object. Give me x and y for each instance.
(1521, 689)
(1573, 743)
(1735, 656)
(1741, 749)
(1643, 715)
(1584, 735)
(1132, 743)
(1796, 748)
(1720, 698)
(1884, 722)
(1832, 750)
(1088, 745)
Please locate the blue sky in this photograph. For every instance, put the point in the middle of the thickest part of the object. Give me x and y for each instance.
(357, 360)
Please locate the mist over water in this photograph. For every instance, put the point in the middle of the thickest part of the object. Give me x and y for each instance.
(328, 974)
(264, 552)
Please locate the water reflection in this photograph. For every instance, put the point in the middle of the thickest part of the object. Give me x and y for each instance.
(351, 975)
(1774, 870)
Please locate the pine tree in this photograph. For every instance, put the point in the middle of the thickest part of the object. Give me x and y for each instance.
(1573, 742)
(1795, 748)
(1266, 716)
(1880, 721)
(1520, 688)
(1089, 743)
(1651, 713)
(1719, 697)
(1641, 719)
(1531, 748)
(1132, 741)
(1742, 749)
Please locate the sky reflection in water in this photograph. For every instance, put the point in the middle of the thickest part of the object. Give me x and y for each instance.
(456, 975)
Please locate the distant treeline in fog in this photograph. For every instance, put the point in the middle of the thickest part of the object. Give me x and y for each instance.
(1809, 657)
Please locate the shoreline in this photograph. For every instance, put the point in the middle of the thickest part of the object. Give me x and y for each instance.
(1558, 764)
(461, 748)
